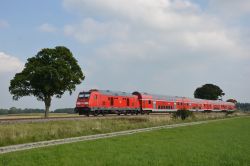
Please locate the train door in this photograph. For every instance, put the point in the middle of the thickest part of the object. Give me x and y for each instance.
(128, 102)
(95, 100)
(111, 101)
(154, 104)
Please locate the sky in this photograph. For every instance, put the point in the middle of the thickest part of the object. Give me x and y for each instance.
(166, 47)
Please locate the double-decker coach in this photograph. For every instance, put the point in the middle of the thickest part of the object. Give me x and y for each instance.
(161, 103)
(158, 103)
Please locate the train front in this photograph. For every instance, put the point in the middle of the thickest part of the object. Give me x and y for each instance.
(83, 103)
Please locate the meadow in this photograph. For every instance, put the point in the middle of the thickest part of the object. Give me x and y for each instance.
(35, 115)
(216, 143)
(18, 133)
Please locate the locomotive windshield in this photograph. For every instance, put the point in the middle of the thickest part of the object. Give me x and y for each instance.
(83, 95)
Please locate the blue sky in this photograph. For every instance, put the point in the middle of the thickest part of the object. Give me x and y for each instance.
(159, 46)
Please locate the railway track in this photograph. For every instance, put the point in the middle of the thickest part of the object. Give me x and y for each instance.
(40, 119)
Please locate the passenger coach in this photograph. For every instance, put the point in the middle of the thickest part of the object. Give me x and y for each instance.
(160, 103)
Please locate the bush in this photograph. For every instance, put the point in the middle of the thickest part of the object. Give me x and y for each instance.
(228, 113)
(183, 114)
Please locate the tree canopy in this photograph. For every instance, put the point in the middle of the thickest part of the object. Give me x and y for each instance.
(209, 91)
(51, 72)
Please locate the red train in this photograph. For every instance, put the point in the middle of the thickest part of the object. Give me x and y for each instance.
(107, 102)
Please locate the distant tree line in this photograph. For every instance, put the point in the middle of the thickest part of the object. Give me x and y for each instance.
(243, 106)
(14, 110)
(65, 110)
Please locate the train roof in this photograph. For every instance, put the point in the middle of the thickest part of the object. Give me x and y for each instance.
(114, 93)
(159, 97)
(175, 98)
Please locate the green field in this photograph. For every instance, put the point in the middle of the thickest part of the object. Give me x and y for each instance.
(217, 143)
(18, 133)
(35, 115)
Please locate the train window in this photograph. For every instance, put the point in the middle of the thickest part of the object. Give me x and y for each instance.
(95, 96)
(159, 107)
(149, 102)
(83, 95)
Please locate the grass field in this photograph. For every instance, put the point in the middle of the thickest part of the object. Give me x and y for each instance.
(34, 115)
(217, 143)
(18, 133)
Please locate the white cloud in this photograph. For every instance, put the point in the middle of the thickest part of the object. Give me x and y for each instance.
(47, 28)
(165, 22)
(230, 8)
(3, 24)
(10, 63)
(90, 30)
(160, 46)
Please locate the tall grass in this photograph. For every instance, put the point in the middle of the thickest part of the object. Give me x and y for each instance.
(38, 131)
(218, 143)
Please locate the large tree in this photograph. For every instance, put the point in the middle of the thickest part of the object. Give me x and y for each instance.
(209, 91)
(51, 72)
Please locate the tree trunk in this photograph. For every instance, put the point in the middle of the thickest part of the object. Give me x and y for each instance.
(47, 102)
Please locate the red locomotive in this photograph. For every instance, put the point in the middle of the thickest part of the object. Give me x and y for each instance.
(107, 102)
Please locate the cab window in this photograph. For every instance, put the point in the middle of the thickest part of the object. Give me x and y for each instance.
(83, 95)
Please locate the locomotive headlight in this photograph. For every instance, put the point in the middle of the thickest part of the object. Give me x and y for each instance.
(86, 102)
